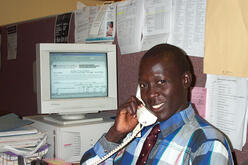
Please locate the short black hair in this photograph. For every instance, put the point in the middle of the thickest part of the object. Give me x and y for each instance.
(178, 55)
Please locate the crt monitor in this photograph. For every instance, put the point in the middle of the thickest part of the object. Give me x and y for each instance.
(75, 79)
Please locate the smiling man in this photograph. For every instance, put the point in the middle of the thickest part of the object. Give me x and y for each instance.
(182, 137)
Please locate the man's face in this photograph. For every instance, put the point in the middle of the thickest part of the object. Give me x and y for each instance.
(162, 87)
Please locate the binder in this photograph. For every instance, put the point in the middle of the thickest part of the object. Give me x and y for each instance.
(18, 131)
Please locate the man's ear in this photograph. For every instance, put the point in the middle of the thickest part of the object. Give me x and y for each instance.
(187, 79)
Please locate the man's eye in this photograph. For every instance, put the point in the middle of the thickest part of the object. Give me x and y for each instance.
(161, 81)
(142, 85)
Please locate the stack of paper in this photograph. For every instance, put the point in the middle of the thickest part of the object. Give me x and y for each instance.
(20, 141)
(9, 158)
(20, 138)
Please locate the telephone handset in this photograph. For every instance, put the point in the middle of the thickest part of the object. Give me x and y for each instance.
(145, 118)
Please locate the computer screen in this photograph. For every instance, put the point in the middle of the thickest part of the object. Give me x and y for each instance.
(75, 79)
(78, 75)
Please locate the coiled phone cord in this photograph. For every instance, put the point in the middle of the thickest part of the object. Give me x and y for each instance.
(134, 134)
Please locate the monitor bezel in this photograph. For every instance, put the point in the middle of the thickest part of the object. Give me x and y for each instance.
(46, 105)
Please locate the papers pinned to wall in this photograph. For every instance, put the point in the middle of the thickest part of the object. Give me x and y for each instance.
(142, 24)
(157, 23)
(227, 106)
(130, 16)
(188, 26)
(12, 42)
(82, 17)
(198, 99)
(95, 24)
(62, 28)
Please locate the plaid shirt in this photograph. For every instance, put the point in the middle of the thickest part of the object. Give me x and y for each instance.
(185, 139)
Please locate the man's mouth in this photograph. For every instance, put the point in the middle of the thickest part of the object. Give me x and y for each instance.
(156, 107)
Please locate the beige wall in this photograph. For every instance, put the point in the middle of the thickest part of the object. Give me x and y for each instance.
(12, 11)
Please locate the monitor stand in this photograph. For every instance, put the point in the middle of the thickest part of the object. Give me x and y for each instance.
(67, 119)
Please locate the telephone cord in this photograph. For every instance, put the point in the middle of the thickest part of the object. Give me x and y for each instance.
(135, 132)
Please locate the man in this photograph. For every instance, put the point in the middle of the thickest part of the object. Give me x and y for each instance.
(183, 137)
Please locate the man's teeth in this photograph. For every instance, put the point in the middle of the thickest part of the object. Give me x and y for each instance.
(157, 106)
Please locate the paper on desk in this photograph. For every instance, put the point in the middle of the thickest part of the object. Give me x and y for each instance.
(12, 121)
(227, 106)
(188, 26)
(226, 38)
(157, 22)
(130, 16)
(198, 98)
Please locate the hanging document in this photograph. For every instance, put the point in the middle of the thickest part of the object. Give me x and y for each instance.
(227, 106)
(188, 26)
(157, 22)
(130, 16)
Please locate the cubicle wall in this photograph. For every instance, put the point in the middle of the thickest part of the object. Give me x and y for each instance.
(17, 76)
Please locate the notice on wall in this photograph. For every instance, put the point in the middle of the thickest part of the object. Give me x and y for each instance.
(130, 21)
(157, 23)
(62, 28)
(227, 107)
(198, 99)
(188, 26)
(103, 25)
(95, 24)
(12, 42)
(81, 24)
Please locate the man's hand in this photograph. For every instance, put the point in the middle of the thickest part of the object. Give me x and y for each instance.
(126, 120)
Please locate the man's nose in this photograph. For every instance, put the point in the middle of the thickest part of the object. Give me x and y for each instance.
(152, 92)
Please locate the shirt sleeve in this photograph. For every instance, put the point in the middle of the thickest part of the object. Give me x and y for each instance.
(213, 152)
(100, 149)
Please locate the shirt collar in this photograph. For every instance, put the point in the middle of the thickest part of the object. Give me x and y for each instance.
(177, 120)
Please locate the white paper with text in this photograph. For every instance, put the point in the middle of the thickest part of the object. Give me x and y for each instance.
(157, 22)
(130, 16)
(188, 26)
(227, 106)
